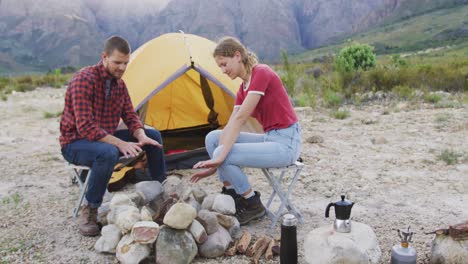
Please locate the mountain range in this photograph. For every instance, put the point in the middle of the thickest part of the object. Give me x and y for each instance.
(40, 35)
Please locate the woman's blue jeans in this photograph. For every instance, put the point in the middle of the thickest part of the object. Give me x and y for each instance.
(102, 158)
(276, 148)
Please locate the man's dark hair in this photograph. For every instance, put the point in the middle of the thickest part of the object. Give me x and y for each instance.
(116, 43)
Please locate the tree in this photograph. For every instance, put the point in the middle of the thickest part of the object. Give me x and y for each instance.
(355, 57)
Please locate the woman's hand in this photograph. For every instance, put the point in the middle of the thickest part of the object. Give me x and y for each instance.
(202, 174)
(212, 163)
(211, 166)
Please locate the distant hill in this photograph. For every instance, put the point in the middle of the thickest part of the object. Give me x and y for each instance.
(41, 35)
(442, 29)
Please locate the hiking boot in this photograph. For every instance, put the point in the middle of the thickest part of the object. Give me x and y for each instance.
(250, 209)
(87, 221)
(232, 193)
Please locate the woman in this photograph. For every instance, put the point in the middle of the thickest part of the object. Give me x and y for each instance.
(263, 96)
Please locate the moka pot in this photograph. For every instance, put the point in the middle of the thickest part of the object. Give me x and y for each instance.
(342, 222)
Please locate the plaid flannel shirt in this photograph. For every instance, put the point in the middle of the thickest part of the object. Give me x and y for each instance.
(94, 104)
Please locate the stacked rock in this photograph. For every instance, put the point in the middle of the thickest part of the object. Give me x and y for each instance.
(178, 222)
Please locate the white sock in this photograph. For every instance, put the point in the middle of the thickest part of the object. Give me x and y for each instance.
(250, 194)
(229, 187)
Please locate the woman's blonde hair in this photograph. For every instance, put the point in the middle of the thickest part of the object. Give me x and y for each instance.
(227, 46)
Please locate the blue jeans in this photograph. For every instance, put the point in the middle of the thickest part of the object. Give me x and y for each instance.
(276, 148)
(102, 158)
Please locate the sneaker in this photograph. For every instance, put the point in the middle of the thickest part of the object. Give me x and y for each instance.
(250, 209)
(87, 221)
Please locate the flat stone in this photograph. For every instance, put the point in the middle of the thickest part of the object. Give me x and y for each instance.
(325, 245)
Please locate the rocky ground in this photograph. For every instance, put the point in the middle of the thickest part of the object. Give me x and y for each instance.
(388, 158)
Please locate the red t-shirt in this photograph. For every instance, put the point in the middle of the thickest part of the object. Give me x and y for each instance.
(274, 110)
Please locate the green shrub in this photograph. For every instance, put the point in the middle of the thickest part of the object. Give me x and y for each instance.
(24, 80)
(381, 79)
(403, 91)
(432, 98)
(450, 157)
(52, 80)
(306, 99)
(52, 115)
(464, 98)
(355, 57)
(443, 118)
(340, 114)
(24, 87)
(332, 99)
(447, 104)
(289, 75)
(3, 83)
(398, 61)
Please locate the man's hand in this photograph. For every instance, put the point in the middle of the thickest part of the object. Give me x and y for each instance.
(143, 139)
(129, 149)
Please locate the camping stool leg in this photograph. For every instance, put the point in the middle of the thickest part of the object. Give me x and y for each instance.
(268, 173)
(83, 188)
(279, 184)
(273, 194)
(284, 201)
(277, 190)
(289, 205)
(284, 196)
(75, 176)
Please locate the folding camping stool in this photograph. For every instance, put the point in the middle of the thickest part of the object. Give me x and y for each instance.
(276, 178)
(77, 170)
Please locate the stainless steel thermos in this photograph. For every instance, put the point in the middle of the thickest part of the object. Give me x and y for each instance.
(288, 246)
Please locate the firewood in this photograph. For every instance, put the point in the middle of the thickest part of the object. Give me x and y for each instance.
(254, 248)
(259, 252)
(244, 242)
(269, 251)
(232, 250)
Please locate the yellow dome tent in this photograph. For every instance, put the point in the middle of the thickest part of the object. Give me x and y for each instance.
(177, 88)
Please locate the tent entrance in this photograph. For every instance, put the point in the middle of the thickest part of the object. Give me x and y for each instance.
(185, 146)
(185, 139)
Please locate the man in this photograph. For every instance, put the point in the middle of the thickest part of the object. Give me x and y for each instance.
(95, 101)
